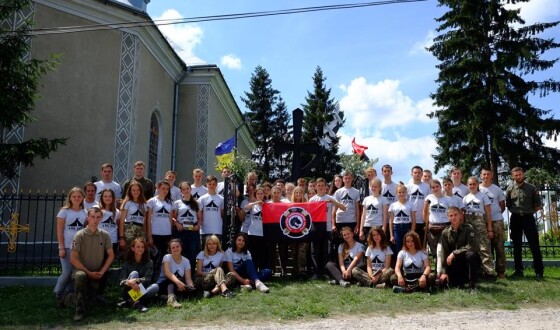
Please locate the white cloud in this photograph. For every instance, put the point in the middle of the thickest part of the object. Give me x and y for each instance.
(381, 105)
(231, 61)
(420, 46)
(538, 10)
(183, 37)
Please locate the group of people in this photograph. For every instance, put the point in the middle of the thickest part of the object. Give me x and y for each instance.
(169, 239)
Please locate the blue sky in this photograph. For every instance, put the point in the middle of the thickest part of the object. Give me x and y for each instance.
(373, 58)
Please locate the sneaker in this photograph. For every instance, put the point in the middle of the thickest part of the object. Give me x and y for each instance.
(472, 290)
(398, 289)
(313, 277)
(228, 294)
(123, 304)
(539, 277)
(344, 283)
(380, 286)
(141, 308)
(262, 288)
(78, 316)
(207, 294)
(246, 287)
(333, 282)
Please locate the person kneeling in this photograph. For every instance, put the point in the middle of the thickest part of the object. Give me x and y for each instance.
(460, 259)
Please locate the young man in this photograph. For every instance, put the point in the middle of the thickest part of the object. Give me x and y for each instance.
(322, 249)
(171, 176)
(448, 191)
(147, 184)
(89, 200)
(198, 189)
(417, 192)
(523, 200)
(91, 256)
(459, 246)
(212, 210)
(427, 177)
(302, 182)
(225, 173)
(388, 187)
(350, 197)
(107, 182)
(459, 189)
(497, 198)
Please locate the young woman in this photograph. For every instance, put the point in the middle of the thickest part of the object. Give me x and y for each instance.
(175, 276)
(69, 220)
(255, 241)
(378, 261)
(435, 216)
(159, 217)
(402, 217)
(239, 263)
(133, 211)
(276, 197)
(209, 271)
(111, 216)
(335, 184)
(188, 215)
(249, 198)
(412, 271)
(298, 196)
(137, 269)
(350, 256)
(376, 208)
(267, 188)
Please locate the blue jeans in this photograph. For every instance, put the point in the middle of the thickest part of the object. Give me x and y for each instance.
(248, 269)
(63, 284)
(399, 230)
(191, 244)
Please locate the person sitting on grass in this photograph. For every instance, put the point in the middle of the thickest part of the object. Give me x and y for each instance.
(210, 275)
(136, 270)
(460, 257)
(350, 256)
(175, 276)
(412, 271)
(378, 261)
(239, 262)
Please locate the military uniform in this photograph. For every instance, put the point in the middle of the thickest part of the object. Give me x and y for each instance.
(462, 243)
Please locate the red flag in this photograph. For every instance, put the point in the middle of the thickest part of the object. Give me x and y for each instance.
(358, 149)
(293, 221)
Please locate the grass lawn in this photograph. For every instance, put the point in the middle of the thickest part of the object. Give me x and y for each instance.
(34, 307)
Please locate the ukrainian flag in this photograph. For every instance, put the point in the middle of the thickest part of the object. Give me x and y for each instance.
(224, 152)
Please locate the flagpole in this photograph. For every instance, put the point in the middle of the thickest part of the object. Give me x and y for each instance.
(237, 130)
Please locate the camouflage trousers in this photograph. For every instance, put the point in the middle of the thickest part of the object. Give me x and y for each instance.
(498, 246)
(131, 232)
(363, 278)
(412, 283)
(85, 292)
(214, 278)
(481, 231)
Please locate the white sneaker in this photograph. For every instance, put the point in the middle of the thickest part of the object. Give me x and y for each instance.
(262, 288)
(246, 287)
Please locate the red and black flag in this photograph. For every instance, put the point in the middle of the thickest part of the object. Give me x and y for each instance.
(293, 222)
(359, 150)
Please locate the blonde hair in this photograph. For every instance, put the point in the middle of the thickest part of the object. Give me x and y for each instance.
(68, 201)
(216, 240)
(293, 197)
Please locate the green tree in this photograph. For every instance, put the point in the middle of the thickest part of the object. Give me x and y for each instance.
(488, 57)
(19, 82)
(317, 113)
(282, 163)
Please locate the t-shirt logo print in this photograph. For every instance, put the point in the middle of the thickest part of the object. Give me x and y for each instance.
(76, 225)
(211, 206)
(372, 209)
(295, 222)
(346, 199)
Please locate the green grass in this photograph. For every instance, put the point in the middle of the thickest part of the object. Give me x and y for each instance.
(34, 307)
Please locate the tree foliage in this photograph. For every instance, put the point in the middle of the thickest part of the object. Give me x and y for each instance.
(19, 82)
(488, 59)
(317, 113)
(268, 121)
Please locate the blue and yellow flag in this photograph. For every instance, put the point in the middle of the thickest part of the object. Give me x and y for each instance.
(224, 152)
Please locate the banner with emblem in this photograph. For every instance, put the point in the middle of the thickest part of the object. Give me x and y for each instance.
(293, 222)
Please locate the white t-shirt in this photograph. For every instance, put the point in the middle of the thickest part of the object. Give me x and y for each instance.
(255, 227)
(73, 222)
(177, 269)
(135, 213)
(325, 198)
(212, 206)
(402, 213)
(460, 190)
(115, 187)
(88, 205)
(389, 191)
(417, 193)
(457, 201)
(161, 214)
(413, 264)
(186, 216)
(110, 223)
(495, 195)
(210, 262)
(237, 258)
(247, 221)
(198, 192)
(349, 197)
(474, 203)
(175, 193)
(373, 207)
(351, 253)
(438, 208)
(378, 256)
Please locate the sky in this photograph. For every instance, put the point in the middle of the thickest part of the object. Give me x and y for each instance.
(374, 59)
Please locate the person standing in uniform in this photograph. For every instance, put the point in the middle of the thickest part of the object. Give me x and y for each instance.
(147, 184)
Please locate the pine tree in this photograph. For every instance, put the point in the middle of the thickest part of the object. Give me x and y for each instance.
(19, 82)
(485, 118)
(282, 133)
(317, 113)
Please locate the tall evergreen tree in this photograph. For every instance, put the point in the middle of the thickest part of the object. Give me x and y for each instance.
(488, 56)
(317, 113)
(19, 82)
(282, 133)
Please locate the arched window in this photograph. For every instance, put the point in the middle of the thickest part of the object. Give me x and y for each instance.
(153, 152)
